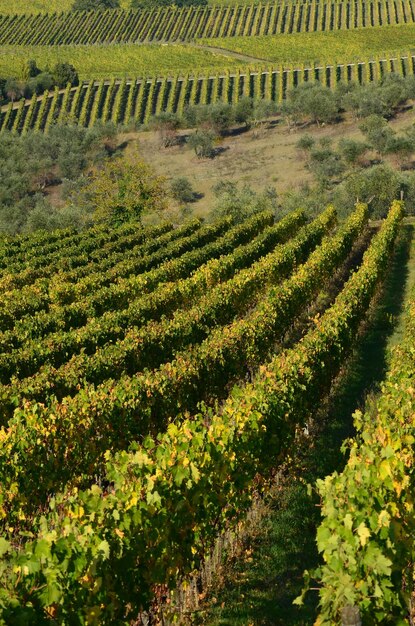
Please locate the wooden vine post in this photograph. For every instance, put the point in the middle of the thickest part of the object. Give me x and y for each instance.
(351, 616)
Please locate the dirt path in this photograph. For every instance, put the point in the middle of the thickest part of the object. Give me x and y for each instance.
(231, 53)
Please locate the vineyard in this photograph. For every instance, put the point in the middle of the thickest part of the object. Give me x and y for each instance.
(215, 54)
(121, 101)
(149, 377)
(157, 381)
(174, 24)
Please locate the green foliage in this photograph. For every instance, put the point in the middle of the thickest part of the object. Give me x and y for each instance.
(366, 535)
(32, 68)
(123, 190)
(99, 330)
(380, 99)
(240, 202)
(95, 5)
(311, 102)
(30, 164)
(64, 73)
(244, 111)
(182, 190)
(13, 89)
(203, 143)
(378, 186)
(167, 124)
(377, 131)
(351, 150)
(325, 164)
(149, 4)
(89, 553)
(306, 142)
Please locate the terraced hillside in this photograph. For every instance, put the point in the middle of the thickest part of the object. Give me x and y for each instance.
(121, 101)
(167, 58)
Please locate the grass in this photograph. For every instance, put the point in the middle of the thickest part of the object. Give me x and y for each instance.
(259, 588)
(344, 45)
(104, 61)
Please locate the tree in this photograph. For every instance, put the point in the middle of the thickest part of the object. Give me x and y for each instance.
(311, 102)
(221, 117)
(394, 90)
(352, 150)
(402, 147)
(13, 89)
(244, 111)
(378, 98)
(123, 190)
(167, 125)
(378, 186)
(263, 110)
(325, 164)
(305, 143)
(202, 142)
(94, 5)
(377, 131)
(182, 190)
(64, 73)
(39, 84)
(242, 202)
(32, 68)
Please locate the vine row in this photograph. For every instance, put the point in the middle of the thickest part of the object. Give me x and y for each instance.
(98, 553)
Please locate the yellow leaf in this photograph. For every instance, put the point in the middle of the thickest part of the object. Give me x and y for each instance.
(384, 518)
(385, 469)
(364, 533)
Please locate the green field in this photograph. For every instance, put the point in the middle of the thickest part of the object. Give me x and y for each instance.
(343, 45)
(120, 60)
(115, 60)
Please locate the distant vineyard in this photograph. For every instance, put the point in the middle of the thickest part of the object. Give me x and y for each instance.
(173, 24)
(122, 101)
(121, 345)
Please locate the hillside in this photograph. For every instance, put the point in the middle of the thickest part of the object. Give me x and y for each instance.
(61, 351)
(207, 313)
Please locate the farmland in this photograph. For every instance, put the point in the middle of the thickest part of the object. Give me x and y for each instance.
(259, 267)
(324, 47)
(183, 24)
(128, 61)
(118, 60)
(173, 358)
(126, 100)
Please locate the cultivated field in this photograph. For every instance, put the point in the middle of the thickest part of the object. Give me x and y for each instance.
(157, 378)
(95, 342)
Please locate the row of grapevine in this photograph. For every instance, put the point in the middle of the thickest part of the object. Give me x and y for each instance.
(137, 100)
(130, 407)
(182, 24)
(205, 269)
(98, 553)
(83, 253)
(85, 257)
(25, 252)
(368, 528)
(236, 236)
(155, 342)
(18, 303)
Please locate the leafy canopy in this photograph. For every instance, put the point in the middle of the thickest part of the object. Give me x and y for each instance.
(125, 189)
